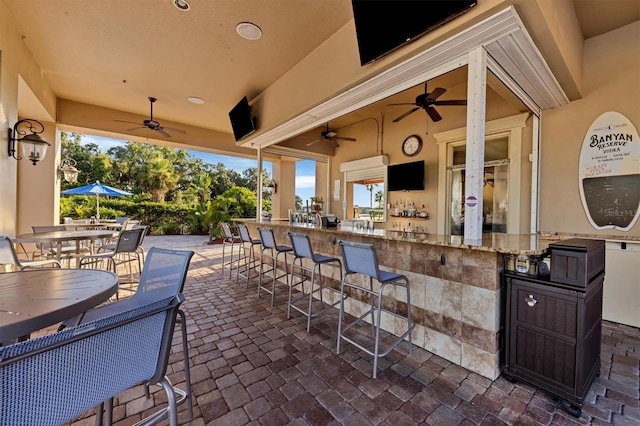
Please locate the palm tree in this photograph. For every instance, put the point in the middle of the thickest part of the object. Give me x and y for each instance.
(370, 189)
(158, 177)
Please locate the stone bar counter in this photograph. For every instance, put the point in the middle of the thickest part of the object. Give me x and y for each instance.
(457, 295)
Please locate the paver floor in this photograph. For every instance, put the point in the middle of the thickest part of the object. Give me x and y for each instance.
(251, 365)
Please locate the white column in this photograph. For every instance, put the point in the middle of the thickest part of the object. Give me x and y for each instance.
(474, 174)
(259, 186)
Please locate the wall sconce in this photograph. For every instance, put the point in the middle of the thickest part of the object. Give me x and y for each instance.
(272, 187)
(33, 146)
(67, 170)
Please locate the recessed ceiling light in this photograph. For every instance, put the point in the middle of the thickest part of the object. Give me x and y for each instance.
(182, 4)
(249, 31)
(195, 100)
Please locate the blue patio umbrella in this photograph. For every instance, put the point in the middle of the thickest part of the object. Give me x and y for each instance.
(98, 189)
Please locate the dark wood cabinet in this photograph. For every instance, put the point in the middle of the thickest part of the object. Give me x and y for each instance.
(553, 334)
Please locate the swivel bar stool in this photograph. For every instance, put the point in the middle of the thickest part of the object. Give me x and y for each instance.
(229, 238)
(272, 251)
(302, 250)
(360, 258)
(250, 261)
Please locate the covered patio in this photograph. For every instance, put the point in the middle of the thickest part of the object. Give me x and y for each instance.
(250, 365)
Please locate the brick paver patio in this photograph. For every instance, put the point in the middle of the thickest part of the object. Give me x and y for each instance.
(250, 365)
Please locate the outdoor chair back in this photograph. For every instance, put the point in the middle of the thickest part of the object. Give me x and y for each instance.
(54, 378)
(8, 256)
(163, 275)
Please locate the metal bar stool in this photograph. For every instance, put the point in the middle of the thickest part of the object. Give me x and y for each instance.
(302, 250)
(250, 260)
(360, 258)
(272, 251)
(229, 238)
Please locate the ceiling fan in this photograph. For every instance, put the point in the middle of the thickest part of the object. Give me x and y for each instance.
(426, 101)
(153, 124)
(330, 136)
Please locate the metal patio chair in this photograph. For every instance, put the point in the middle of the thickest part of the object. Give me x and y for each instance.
(54, 378)
(229, 238)
(163, 275)
(360, 258)
(302, 250)
(272, 250)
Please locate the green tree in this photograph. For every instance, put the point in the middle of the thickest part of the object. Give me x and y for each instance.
(237, 202)
(298, 203)
(223, 179)
(157, 176)
(200, 186)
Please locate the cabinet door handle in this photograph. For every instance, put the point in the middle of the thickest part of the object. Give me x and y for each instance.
(531, 301)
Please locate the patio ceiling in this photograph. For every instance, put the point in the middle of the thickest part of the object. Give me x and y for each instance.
(115, 57)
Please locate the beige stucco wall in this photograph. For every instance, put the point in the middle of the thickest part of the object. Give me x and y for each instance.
(611, 83)
(16, 60)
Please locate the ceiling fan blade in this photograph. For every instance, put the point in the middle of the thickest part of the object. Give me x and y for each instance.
(163, 133)
(128, 122)
(171, 129)
(411, 111)
(437, 92)
(136, 128)
(344, 138)
(407, 103)
(314, 142)
(433, 114)
(451, 102)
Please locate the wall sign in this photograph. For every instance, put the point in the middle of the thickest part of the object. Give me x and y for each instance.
(609, 175)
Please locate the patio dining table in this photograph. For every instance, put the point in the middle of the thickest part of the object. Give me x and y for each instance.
(39, 298)
(90, 226)
(58, 237)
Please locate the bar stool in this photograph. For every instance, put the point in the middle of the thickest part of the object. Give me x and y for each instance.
(247, 243)
(302, 250)
(272, 250)
(229, 238)
(360, 258)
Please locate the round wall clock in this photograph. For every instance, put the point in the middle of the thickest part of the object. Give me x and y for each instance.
(412, 145)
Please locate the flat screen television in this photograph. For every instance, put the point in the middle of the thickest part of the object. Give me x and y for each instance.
(406, 176)
(242, 122)
(384, 25)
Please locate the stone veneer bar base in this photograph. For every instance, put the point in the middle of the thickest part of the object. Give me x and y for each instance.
(456, 293)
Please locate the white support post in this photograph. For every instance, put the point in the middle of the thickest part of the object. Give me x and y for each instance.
(474, 174)
(259, 186)
(535, 176)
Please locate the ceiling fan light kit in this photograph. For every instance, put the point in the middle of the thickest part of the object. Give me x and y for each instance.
(331, 136)
(427, 101)
(152, 124)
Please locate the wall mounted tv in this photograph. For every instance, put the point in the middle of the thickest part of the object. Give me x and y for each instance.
(385, 25)
(242, 122)
(406, 176)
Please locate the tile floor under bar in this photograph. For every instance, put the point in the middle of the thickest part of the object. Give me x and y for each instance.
(250, 365)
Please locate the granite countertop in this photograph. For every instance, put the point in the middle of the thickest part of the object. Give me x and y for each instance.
(503, 243)
(529, 244)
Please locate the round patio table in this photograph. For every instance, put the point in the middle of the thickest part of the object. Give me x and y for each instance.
(35, 299)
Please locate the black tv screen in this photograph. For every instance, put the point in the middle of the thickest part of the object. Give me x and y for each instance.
(242, 121)
(385, 25)
(406, 176)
